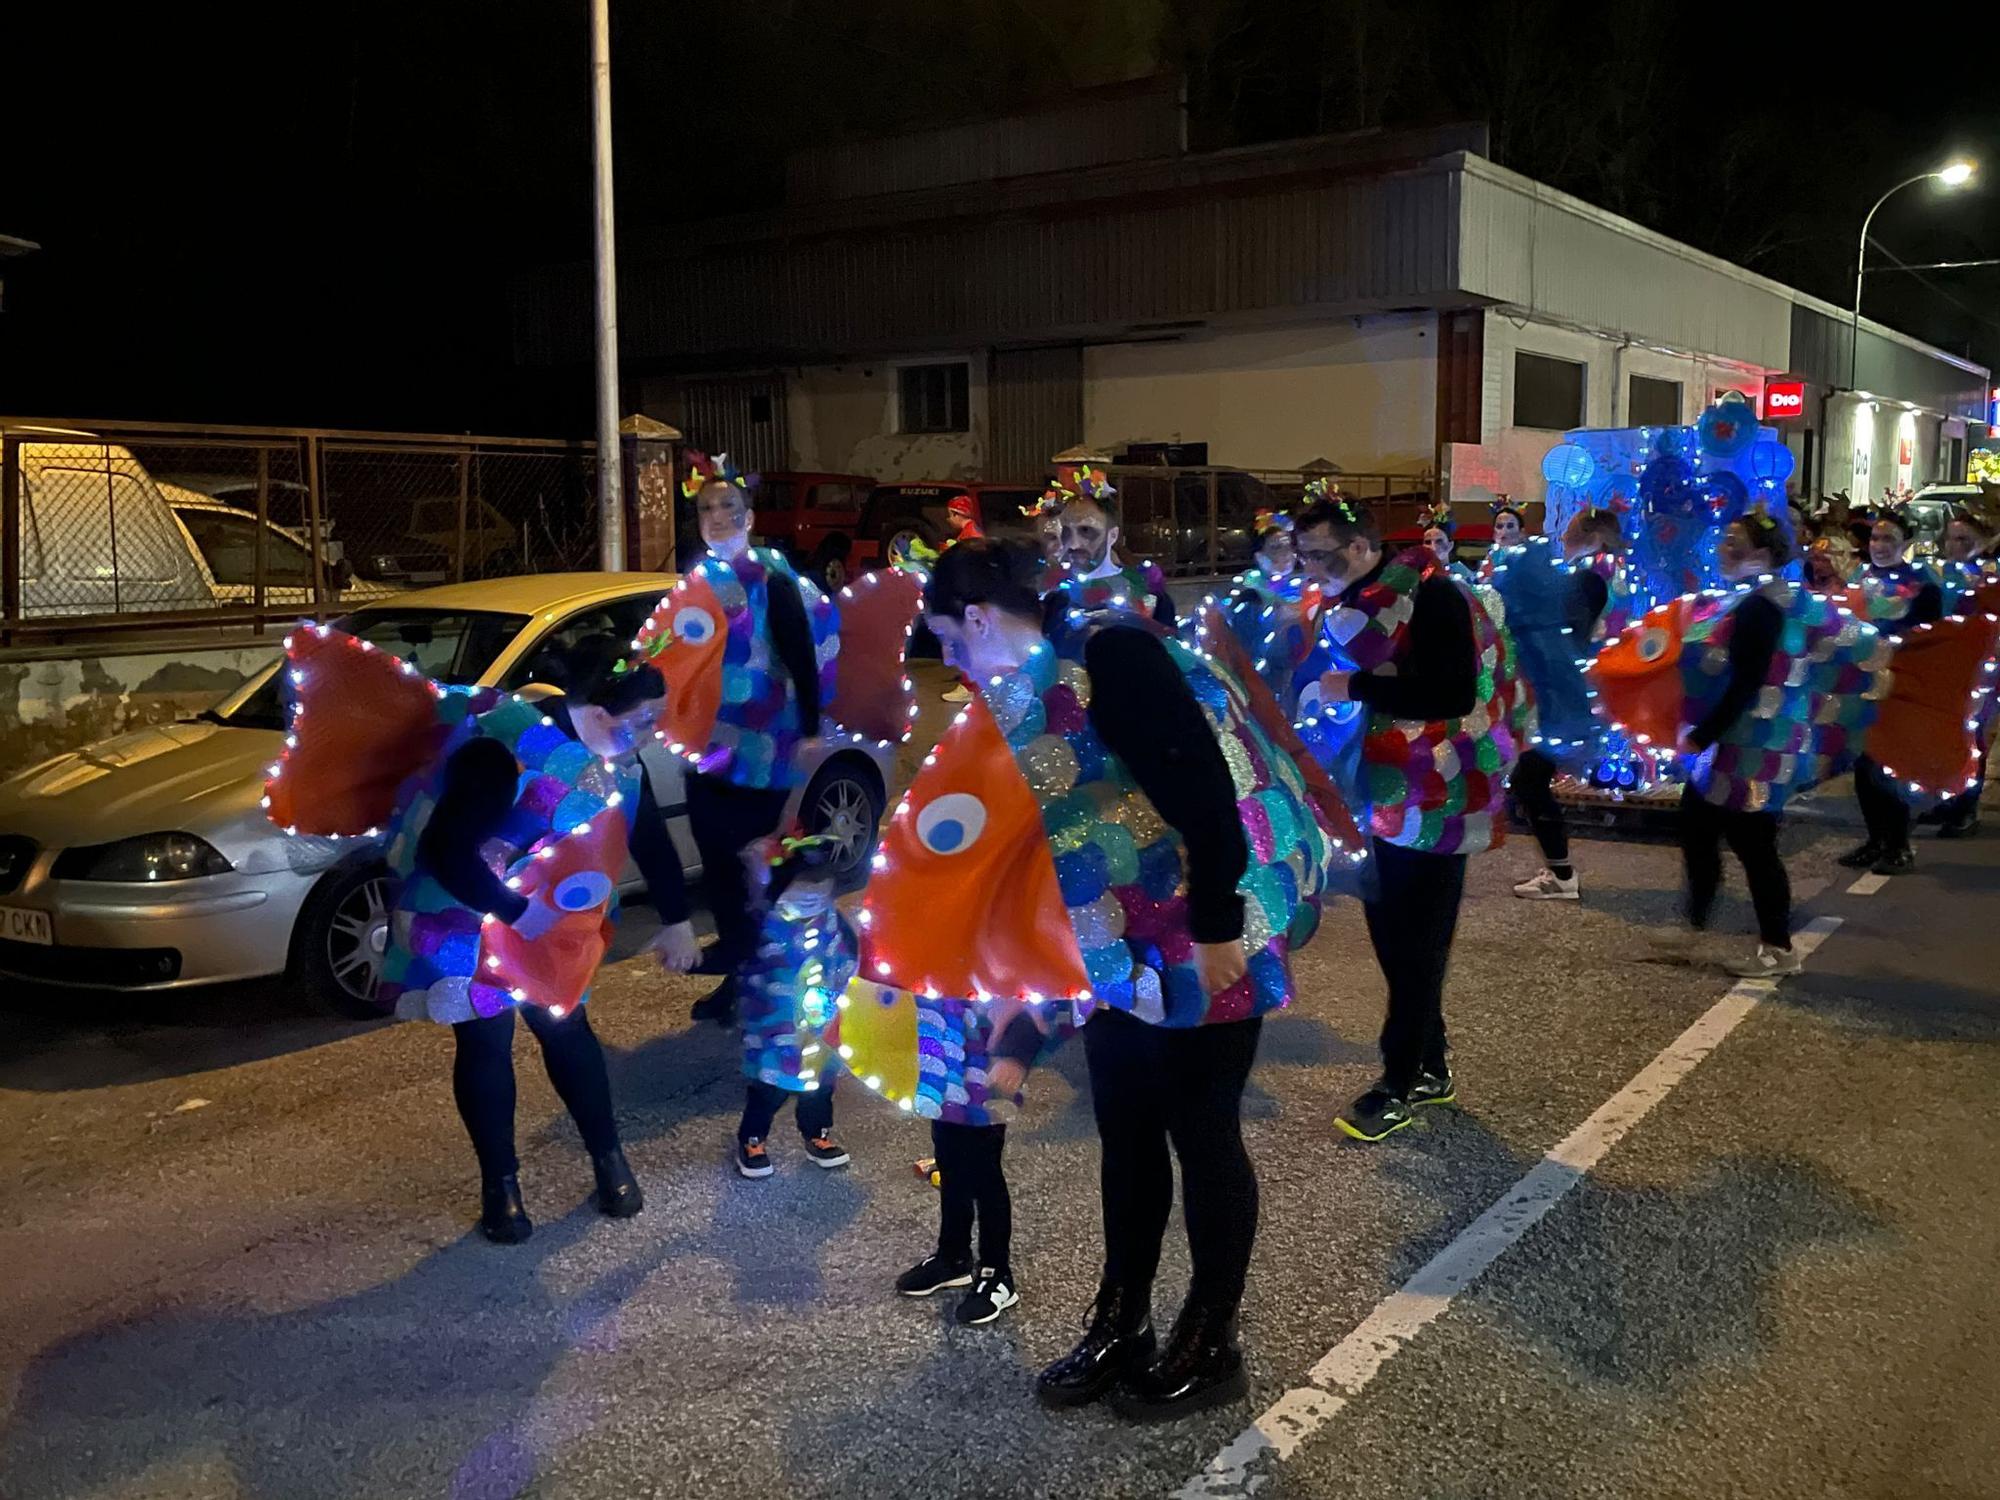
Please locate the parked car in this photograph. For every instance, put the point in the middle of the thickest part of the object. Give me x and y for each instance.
(896, 513)
(146, 862)
(812, 519)
(224, 540)
(1932, 508)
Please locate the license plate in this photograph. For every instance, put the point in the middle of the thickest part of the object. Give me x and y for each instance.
(19, 924)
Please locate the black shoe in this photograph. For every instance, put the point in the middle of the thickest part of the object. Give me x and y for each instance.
(991, 1295)
(1119, 1339)
(1862, 856)
(1432, 1088)
(618, 1192)
(825, 1151)
(1200, 1367)
(1896, 862)
(752, 1160)
(1379, 1112)
(1961, 828)
(935, 1273)
(503, 1218)
(718, 1005)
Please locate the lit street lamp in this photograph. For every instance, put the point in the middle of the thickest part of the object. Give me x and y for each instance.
(1952, 175)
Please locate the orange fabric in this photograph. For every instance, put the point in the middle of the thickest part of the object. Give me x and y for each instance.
(966, 903)
(373, 726)
(1920, 734)
(570, 882)
(871, 695)
(1637, 676)
(684, 637)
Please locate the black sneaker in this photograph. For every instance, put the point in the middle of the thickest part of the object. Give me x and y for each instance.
(1375, 1114)
(933, 1274)
(991, 1295)
(1863, 855)
(1960, 828)
(752, 1159)
(718, 1005)
(1432, 1088)
(825, 1151)
(1896, 862)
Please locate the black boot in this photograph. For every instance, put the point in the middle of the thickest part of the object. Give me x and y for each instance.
(1200, 1367)
(1895, 862)
(503, 1218)
(617, 1189)
(1959, 828)
(718, 1005)
(1862, 856)
(1119, 1338)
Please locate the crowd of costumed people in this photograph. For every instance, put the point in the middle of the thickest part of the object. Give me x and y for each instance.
(1134, 821)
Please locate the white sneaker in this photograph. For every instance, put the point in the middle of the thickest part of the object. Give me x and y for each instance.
(959, 694)
(1549, 886)
(1766, 963)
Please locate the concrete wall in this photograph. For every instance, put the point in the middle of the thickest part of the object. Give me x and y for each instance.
(843, 419)
(62, 702)
(1882, 424)
(1359, 392)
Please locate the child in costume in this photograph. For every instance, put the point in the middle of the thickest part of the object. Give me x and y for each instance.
(1092, 578)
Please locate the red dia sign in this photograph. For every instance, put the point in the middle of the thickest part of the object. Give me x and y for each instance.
(1784, 400)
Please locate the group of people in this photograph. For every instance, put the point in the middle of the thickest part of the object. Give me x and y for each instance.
(1149, 812)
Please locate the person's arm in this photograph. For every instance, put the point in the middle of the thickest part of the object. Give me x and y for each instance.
(478, 792)
(1163, 602)
(1751, 645)
(1142, 709)
(1926, 608)
(1586, 603)
(1438, 676)
(658, 860)
(791, 639)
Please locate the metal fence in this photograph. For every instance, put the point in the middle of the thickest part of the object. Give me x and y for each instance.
(149, 525)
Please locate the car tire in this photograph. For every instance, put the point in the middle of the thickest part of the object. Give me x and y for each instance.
(845, 797)
(923, 531)
(339, 939)
(830, 563)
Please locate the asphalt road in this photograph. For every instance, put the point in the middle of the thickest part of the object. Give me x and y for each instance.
(239, 1260)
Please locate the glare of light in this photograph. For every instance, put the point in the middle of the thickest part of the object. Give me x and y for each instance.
(1957, 174)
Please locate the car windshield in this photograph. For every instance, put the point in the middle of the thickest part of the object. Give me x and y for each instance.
(455, 646)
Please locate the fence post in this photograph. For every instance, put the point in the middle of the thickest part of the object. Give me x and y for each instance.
(464, 480)
(10, 531)
(1214, 547)
(261, 583)
(315, 528)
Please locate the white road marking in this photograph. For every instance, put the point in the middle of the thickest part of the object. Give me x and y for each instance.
(1242, 1467)
(1868, 884)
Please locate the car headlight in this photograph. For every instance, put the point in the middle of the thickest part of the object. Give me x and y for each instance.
(151, 857)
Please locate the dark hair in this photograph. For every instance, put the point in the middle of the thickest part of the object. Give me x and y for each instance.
(597, 670)
(1006, 574)
(1511, 510)
(1109, 504)
(1604, 527)
(1894, 518)
(1967, 517)
(1341, 518)
(1766, 535)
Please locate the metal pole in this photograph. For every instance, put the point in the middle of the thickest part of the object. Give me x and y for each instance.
(610, 478)
(1861, 270)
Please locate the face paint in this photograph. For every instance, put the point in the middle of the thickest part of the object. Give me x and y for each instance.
(1086, 534)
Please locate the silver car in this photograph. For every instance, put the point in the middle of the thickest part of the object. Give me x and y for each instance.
(146, 862)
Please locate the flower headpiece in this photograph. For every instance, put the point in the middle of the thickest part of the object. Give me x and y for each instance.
(1504, 505)
(703, 470)
(1269, 521)
(1086, 484)
(1318, 490)
(1438, 514)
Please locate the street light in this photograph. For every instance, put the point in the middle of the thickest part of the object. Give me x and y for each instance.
(1952, 175)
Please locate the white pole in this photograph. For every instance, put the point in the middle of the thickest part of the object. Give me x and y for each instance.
(610, 476)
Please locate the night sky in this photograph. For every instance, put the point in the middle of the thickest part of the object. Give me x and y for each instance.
(310, 214)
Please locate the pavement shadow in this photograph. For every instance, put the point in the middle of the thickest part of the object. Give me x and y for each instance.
(1891, 1004)
(771, 1234)
(424, 1384)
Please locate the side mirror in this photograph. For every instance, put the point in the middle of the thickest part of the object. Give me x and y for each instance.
(535, 692)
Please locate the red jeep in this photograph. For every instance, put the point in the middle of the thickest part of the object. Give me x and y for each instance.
(811, 519)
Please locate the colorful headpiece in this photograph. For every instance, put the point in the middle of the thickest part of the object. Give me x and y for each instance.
(703, 470)
(1269, 521)
(1438, 514)
(1318, 490)
(1897, 515)
(1085, 483)
(1504, 505)
(1761, 524)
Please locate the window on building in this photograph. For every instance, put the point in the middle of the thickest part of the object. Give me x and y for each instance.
(1653, 403)
(932, 398)
(1547, 392)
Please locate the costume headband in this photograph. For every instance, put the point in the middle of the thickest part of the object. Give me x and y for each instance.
(703, 470)
(1269, 521)
(1326, 490)
(1504, 505)
(1439, 515)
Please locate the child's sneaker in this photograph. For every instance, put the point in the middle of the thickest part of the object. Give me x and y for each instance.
(825, 1151)
(934, 1273)
(991, 1295)
(752, 1160)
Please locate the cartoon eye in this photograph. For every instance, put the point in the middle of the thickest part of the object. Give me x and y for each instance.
(582, 891)
(695, 626)
(952, 824)
(1653, 644)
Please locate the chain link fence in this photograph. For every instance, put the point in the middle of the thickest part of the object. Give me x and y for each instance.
(158, 526)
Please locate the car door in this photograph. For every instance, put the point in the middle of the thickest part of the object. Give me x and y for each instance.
(225, 544)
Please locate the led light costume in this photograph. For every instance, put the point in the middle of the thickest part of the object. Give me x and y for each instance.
(1272, 617)
(806, 954)
(1139, 588)
(1886, 596)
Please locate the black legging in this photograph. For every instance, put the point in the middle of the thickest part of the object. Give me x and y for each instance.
(1886, 814)
(725, 819)
(482, 1081)
(762, 1101)
(1754, 837)
(1151, 1085)
(1410, 924)
(1533, 786)
(971, 1183)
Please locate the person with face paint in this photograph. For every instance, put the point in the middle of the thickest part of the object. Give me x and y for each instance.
(1895, 595)
(1441, 537)
(1424, 649)
(1092, 578)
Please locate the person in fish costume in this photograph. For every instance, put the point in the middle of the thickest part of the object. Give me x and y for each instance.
(1446, 717)
(1092, 579)
(1897, 596)
(507, 825)
(1561, 602)
(1971, 583)
(1136, 852)
(1271, 610)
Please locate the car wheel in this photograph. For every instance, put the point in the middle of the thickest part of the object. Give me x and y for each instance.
(845, 800)
(833, 573)
(341, 936)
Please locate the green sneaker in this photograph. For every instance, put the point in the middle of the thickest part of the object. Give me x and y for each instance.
(1433, 1088)
(1375, 1114)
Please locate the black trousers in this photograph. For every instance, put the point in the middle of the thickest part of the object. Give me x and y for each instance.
(482, 1081)
(1152, 1087)
(1965, 806)
(726, 819)
(1754, 836)
(971, 1185)
(1886, 814)
(1533, 786)
(762, 1101)
(1410, 924)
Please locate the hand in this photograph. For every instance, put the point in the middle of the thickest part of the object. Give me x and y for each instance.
(1333, 686)
(1222, 964)
(1004, 1077)
(675, 947)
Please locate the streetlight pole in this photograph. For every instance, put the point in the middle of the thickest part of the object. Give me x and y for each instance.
(1954, 175)
(610, 475)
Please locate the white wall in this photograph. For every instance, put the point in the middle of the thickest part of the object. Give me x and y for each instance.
(1884, 426)
(1364, 396)
(843, 419)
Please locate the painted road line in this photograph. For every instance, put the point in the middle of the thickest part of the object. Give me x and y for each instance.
(1241, 1468)
(1868, 884)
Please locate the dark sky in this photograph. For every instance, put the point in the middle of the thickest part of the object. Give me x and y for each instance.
(310, 214)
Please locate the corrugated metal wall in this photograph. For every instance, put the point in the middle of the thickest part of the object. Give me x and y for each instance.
(1034, 408)
(743, 416)
(1822, 347)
